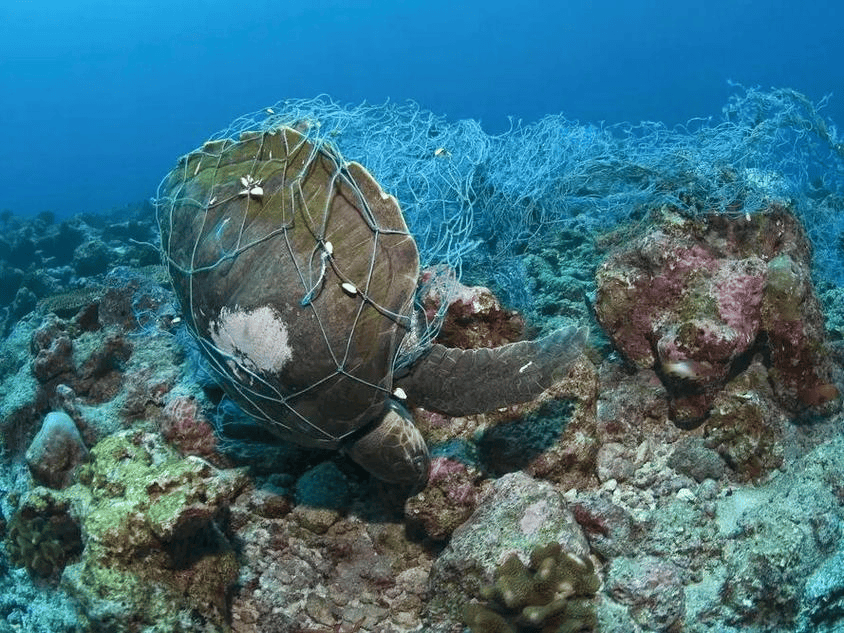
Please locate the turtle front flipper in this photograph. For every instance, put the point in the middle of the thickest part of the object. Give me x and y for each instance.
(393, 449)
(466, 381)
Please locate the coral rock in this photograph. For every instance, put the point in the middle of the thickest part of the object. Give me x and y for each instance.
(55, 451)
(518, 515)
(552, 593)
(446, 502)
(154, 552)
(652, 589)
(42, 535)
(693, 298)
(474, 317)
(184, 425)
(54, 360)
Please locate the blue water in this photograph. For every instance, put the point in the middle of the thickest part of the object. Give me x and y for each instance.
(98, 97)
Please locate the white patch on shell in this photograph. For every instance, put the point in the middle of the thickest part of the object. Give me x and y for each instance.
(257, 338)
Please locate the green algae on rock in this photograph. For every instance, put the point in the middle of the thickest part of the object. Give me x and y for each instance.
(42, 536)
(150, 520)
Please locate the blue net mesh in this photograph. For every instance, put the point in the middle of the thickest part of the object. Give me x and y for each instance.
(476, 202)
(409, 151)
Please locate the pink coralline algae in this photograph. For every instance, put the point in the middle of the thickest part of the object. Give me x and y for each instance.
(696, 300)
(474, 318)
(447, 501)
(184, 425)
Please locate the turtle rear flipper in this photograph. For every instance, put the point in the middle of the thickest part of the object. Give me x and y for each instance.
(456, 381)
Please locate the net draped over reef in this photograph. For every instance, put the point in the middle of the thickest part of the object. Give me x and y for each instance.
(476, 202)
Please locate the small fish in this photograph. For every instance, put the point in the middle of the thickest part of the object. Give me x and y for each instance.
(818, 395)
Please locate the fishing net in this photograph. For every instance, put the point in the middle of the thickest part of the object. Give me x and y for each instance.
(297, 276)
(476, 203)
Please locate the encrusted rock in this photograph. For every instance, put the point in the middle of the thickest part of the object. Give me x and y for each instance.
(518, 515)
(823, 597)
(56, 450)
(692, 299)
(42, 534)
(693, 458)
(146, 510)
(652, 589)
(447, 501)
(474, 317)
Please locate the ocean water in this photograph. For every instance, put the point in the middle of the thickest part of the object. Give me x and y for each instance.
(522, 140)
(99, 97)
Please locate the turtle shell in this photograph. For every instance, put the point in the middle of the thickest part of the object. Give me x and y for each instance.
(296, 274)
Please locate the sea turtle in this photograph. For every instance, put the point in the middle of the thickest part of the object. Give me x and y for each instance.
(297, 276)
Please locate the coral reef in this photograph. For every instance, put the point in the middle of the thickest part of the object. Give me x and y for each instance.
(474, 316)
(138, 538)
(561, 269)
(517, 515)
(151, 522)
(183, 424)
(299, 573)
(42, 534)
(746, 427)
(696, 299)
(674, 516)
(734, 525)
(552, 594)
(651, 589)
(447, 501)
(56, 450)
(60, 266)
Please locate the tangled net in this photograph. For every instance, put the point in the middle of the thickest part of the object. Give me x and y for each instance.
(476, 202)
(472, 202)
(297, 277)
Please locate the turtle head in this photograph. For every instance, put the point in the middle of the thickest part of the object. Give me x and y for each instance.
(393, 449)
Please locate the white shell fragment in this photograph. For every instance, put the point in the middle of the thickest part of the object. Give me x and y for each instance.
(251, 187)
(349, 289)
(399, 393)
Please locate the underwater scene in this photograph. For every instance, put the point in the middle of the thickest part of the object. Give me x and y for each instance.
(534, 325)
